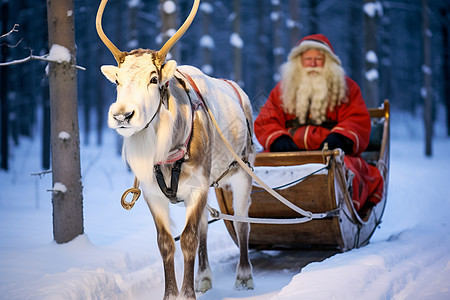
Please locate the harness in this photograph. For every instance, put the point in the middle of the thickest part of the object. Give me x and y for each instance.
(215, 214)
(179, 155)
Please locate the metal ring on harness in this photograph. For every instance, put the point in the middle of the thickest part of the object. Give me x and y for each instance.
(136, 194)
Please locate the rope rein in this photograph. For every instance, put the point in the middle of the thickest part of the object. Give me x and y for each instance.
(215, 214)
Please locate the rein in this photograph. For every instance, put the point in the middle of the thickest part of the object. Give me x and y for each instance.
(156, 112)
(215, 214)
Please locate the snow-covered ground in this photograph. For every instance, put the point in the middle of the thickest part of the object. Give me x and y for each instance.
(117, 257)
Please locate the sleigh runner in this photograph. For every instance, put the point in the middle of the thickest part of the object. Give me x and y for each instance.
(324, 192)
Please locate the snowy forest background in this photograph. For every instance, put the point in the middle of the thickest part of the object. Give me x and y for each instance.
(245, 40)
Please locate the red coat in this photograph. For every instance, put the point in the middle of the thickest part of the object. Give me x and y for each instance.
(352, 120)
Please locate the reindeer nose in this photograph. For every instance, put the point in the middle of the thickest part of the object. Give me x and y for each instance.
(124, 117)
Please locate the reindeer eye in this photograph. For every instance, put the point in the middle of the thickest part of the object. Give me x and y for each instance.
(154, 80)
(117, 82)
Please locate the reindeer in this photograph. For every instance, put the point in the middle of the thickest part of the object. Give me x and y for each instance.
(168, 137)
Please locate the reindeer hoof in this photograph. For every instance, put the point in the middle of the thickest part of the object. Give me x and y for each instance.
(244, 284)
(204, 285)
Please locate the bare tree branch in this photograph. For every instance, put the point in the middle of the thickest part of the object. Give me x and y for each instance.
(13, 46)
(34, 57)
(11, 31)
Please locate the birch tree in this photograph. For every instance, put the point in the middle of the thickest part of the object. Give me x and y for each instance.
(67, 198)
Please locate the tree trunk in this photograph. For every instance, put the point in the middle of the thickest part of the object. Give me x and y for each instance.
(371, 73)
(446, 62)
(4, 94)
(169, 25)
(294, 22)
(278, 50)
(426, 70)
(207, 41)
(314, 17)
(67, 195)
(237, 43)
(386, 59)
(265, 63)
(354, 54)
(46, 128)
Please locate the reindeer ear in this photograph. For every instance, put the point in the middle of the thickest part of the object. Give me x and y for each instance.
(110, 72)
(167, 71)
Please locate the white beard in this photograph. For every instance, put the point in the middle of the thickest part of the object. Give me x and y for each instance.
(312, 96)
(308, 94)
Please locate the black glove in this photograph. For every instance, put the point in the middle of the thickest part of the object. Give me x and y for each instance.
(337, 140)
(283, 144)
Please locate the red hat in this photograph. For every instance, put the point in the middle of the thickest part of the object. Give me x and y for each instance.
(315, 41)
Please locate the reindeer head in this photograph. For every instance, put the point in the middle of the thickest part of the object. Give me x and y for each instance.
(140, 76)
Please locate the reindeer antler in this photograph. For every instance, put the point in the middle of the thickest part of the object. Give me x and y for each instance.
(118, 55)
(180, 32)
(161, 54)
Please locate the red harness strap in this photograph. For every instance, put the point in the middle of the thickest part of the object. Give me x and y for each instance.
(199, 94)
(237, 92)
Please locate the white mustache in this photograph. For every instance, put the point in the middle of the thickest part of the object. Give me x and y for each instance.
(318, 70)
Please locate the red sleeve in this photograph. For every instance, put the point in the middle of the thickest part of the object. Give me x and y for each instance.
(310, 137)
(271, 120)
(353, 119)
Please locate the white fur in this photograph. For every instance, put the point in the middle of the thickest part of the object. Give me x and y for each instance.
(150, 135)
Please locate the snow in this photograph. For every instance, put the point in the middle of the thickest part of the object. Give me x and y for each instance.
(118, 258)
(278, 51)
(170, 32)
(59, 54)
(134, 3)
(426, 70)
(133, 44)
(292, 23)
(207, 69)
(371, 57)
(206, 41)
(63, 135)
(58, 187)
(423, 92)
(206, 8)
(373, 8)
(274, 16)
(236, 40)
(372, 74)
(169, 7)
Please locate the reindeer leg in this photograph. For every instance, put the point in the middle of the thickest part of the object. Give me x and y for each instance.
(166, 244)
(189, 239)
(203, 281)
(240, 186)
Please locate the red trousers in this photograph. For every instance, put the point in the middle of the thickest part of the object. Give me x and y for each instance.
(367, 183)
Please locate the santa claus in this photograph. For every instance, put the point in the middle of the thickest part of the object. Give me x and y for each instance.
(315, 104)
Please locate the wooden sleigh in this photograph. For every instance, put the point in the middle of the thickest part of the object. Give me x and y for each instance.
(345, 229)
